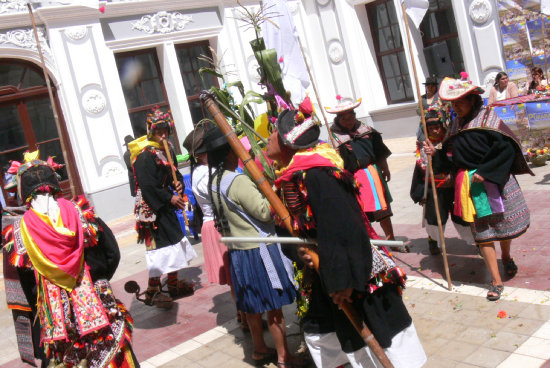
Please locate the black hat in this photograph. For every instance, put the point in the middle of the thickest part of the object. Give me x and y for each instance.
(194, 142)
(296, 131)
(128, 139)
(431, 81)
(214, 139)
(40, 176)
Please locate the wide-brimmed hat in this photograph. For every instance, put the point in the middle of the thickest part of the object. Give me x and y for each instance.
(194, 142)
(432, 81)
(214, 139)
(344, 104)
(452, 89)
(296, 131)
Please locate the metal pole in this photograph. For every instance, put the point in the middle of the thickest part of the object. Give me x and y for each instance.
(430, 168)
(52, 101)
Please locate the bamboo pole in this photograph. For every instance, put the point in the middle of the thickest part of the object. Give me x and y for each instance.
(430, 168)
(316, 93)
(68, 164)
(283, 213)
(173, 171)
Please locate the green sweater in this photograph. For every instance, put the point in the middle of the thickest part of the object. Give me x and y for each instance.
(246, 195)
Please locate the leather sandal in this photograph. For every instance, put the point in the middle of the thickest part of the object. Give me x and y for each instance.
(510, 267)
(181, 288)
(158, 299)
(495, 289)
(265, 358)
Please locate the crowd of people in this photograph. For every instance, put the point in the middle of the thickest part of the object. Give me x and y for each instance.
(61, 255)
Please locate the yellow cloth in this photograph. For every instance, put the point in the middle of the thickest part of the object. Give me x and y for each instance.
(324, 149)
(468, 209)
(137, 145)
(41, 264)
(261, 125)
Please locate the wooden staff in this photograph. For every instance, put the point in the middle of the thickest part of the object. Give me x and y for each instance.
(283, 213)
(52, 102)
(430, 168)
(316, 93)
(174, 178)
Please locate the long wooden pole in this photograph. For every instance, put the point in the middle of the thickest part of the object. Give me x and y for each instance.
(174, 177)
(321, 107)
(430, 168)
(283, 213)
(68, 164)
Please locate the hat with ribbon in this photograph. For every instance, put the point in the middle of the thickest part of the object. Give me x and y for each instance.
(343, 105)
(33, 176)
(452, 89)
(158, 119)
(433, 113)
(299, 129)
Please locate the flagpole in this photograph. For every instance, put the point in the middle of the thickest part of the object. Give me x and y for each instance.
(332, 142)
(430, 168)
(52, 101)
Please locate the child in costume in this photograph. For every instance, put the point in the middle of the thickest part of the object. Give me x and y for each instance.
(167, 249)
(58, 260)
(435, 124)
(323, 200)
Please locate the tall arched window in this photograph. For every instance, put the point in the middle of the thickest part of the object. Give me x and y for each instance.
(27, 121)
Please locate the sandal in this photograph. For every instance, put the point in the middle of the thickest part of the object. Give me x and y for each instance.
(292, 364)
(401, 249)
(495, 289)
(510, 267)
(181, 288)
(158, 299)
(265, 358)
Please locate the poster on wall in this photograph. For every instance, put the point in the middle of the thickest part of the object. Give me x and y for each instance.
(523, 38)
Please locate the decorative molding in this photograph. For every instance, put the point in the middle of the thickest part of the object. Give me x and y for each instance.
(76, 33)
(13, 6)
(93, 101)
(111, 168)
(480, 11)
(489, 80)
(335, 51)
(293, 7)
(162, 22)
(323, 2)
(24, 38)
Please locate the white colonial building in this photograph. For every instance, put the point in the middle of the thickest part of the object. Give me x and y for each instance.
(109, 68)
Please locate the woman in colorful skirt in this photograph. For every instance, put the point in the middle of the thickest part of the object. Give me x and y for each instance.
(365, 155)
(262, 276)
(487, 156)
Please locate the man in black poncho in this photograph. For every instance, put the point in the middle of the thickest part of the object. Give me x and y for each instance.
(322, 199)
(167, 249)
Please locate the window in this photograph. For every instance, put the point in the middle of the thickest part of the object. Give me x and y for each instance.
(143, 88)
(27, 121)
(189, 62)
(389, 51)
(440, 40)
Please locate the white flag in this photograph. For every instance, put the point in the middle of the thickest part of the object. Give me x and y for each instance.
(283, 39)
(545, 7)
(416, 9)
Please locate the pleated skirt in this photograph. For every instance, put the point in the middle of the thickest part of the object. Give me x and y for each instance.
(253, 290)
(216, 255)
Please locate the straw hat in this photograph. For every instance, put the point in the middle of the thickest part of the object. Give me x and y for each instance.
(452, 89)
(344, 104)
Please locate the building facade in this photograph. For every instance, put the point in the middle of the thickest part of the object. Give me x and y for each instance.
(109, 68)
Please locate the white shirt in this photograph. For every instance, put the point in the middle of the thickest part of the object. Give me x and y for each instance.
(199, 185)
(501, 95)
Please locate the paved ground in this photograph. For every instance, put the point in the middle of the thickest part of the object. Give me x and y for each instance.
(458, 328)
